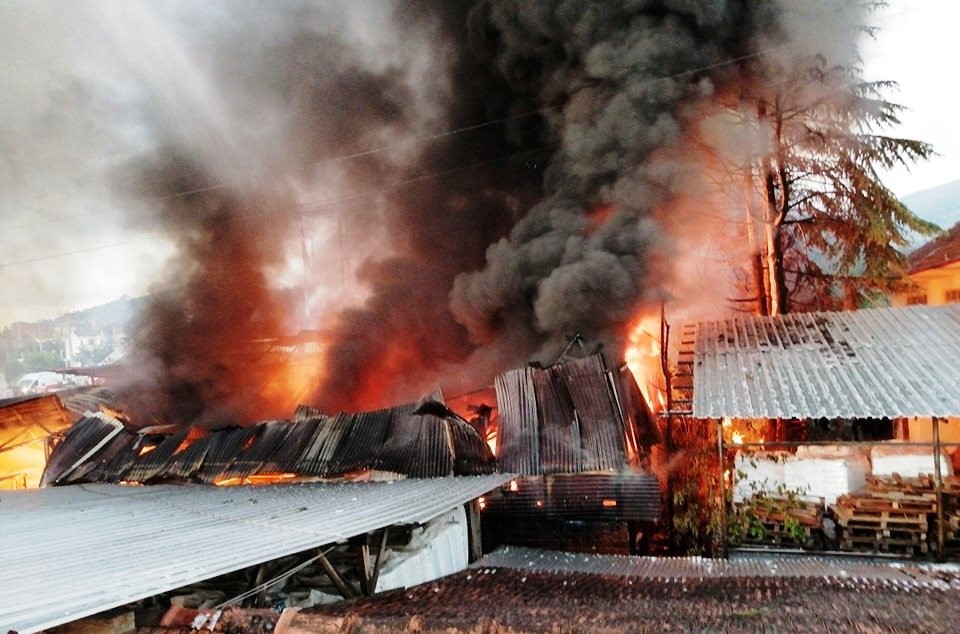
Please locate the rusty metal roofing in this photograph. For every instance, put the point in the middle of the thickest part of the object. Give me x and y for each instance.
(569, 418)
(877, 363)
(675, 568)
(621, 496)
(500, 599)
(420, 440)
(73, 551)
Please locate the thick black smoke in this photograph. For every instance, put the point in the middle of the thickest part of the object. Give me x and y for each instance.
(536, 213)
(611, 86)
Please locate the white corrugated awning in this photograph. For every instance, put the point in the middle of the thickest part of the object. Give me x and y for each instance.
(878, 363)
(69, 552)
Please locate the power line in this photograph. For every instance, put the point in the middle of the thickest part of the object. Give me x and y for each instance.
(310, 208)
(407, 142)
(335, 201)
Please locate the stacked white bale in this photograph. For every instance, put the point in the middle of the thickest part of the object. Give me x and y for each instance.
(909, 462)
(826, 471)
(758, 473)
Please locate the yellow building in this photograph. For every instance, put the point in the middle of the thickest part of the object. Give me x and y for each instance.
(935, 273)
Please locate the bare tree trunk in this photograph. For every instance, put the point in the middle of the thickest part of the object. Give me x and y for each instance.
(776, 197)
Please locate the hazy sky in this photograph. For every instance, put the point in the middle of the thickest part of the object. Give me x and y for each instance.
(64, 245)
(916, 47)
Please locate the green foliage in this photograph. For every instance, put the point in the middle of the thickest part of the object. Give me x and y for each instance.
(836, 227)
(745, 521)
(696, 521)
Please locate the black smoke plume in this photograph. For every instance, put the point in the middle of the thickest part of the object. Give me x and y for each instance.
(507, 162)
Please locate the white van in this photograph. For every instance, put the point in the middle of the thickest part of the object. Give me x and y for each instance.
(39, 383)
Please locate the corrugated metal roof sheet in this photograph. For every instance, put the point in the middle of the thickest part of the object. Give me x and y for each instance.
(569, 418)
(885, 362)
(416, 440)
(69, 552)
(673, 568)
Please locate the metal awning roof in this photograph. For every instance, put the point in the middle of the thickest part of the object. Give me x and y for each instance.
(69, 552)
(878, 363)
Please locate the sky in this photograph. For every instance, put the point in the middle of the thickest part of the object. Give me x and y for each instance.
(915, 47)
(66, 245)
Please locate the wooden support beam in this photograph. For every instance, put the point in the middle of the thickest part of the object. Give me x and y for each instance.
(474, 538)
(376, 566)
(362, 551)
(721, 459)
(345, 589)
(938, 484)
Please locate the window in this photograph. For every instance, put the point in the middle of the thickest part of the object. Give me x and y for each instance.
(916, 300)
(953, 295)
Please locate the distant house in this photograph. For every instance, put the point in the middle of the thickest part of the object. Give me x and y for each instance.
(935, 272)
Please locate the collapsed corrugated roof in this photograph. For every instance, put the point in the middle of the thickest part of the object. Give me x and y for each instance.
(121, 544)
(878, 363)
(414, 440)
(570, 418)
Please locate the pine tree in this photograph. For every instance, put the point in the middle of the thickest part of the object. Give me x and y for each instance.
(828, 232)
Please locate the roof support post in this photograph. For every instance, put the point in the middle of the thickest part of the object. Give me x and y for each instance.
(938, 484)
(376, 565)
(474, 537)
(723, 489)
(362, 550)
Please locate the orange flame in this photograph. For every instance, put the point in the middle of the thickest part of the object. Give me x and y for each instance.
(643, 358)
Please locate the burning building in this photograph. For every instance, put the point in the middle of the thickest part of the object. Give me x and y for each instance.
(577, 435)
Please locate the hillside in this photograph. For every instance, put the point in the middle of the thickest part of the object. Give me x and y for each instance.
(940, 204)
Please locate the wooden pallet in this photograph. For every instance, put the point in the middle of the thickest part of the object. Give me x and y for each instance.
(886, 545)
(885, 520)
(776, 534)
(774, 514)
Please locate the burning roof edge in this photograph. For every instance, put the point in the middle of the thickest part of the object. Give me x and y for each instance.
(419, 439)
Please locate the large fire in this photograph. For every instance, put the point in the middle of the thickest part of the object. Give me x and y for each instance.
(642, 356)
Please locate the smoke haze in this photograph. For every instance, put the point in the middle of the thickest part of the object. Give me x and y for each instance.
(460, 186)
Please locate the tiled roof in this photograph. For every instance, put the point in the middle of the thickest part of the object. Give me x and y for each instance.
(885, 362)
(938, 252)
(73, 551)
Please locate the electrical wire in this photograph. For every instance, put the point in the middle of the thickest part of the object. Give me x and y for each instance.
(314, 207)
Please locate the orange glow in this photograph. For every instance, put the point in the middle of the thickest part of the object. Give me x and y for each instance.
(257, 480)
(479, 408)
(608, 504)
(289, 381)
(598, 216)
(643, 358)
(492, 440)
(744, 431)
(514, 486)
(114, 413)
(482, 503)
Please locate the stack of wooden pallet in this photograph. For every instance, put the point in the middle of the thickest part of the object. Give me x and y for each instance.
(894, 515)
(786, 522)
(924, 486)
